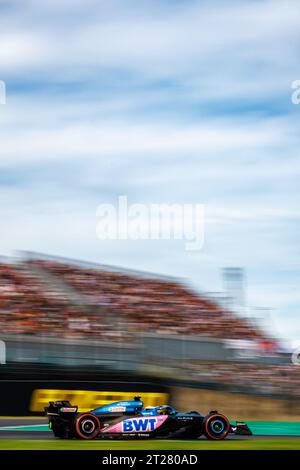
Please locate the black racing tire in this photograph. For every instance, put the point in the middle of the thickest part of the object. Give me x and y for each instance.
(86, 426)
(216, 426)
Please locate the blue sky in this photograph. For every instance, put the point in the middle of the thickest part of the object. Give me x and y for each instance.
(164, 101)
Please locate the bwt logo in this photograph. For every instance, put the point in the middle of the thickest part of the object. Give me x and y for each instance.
(138, 425)
(2, 352)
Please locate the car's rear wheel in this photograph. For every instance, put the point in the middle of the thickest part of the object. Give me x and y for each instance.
(216, 426)
(86, 426)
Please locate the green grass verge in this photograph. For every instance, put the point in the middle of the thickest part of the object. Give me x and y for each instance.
(14, 444)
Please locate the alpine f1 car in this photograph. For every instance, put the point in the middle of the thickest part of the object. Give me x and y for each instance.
(129, 419)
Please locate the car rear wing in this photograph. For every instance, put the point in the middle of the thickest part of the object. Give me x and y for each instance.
(60, 408)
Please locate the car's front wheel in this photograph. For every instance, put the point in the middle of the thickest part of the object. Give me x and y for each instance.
(86, 426)
(216, 426)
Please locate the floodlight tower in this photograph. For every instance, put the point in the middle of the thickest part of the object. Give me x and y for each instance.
(235, 288)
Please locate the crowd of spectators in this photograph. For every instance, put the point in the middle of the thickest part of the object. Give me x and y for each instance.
(269, 379)
(31, 306)
(114, 305)
(27, 306)
(151, 305)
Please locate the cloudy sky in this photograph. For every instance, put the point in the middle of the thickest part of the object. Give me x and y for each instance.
(170, 101)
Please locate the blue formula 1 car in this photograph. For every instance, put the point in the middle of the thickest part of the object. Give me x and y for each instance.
(129, 419)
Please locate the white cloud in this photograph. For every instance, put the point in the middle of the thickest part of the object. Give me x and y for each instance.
(127, 139)
(20, 49)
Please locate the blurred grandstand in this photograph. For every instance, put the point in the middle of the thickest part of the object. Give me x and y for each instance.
(151, 322)
(52, 297)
